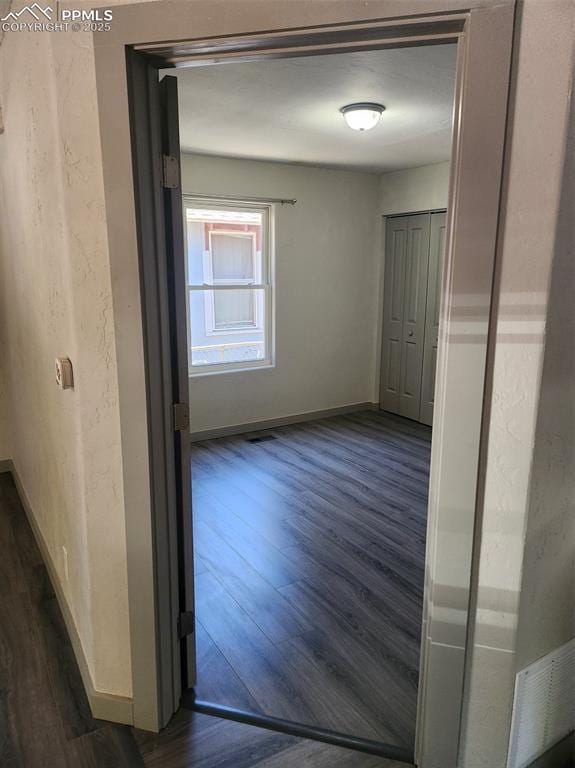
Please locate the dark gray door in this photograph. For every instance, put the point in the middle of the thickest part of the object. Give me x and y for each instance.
(405, 289)
(176, 279)
(434, 282)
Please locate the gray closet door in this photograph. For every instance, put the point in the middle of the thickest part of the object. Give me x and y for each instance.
(434, 281)
(405, 288)
(393, 290)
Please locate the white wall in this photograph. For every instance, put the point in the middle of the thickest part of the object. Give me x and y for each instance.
(546, 611)
(523, 585)
(329, 256)
(56, 300)
(326, 297)
(546, 614)
(415, 189)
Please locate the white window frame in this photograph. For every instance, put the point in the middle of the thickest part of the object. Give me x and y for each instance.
(208, 267)
(265, 282)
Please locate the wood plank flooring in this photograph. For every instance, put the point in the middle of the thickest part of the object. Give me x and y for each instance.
(44, 715)
(197, 741)
(309, 554)
(45, 720)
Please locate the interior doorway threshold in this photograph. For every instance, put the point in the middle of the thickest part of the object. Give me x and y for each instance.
(368, 746)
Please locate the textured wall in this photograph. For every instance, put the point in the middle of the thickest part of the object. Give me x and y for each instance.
(522, 566)
(56, 297)
(325, 300)
(415, 189)
(546, 610)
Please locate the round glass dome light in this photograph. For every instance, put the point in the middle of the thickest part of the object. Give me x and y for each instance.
(362, 116)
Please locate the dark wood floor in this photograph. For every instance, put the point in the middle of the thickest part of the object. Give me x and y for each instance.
(45, 720)
(44, 716)
(309, 572)
(198, 741)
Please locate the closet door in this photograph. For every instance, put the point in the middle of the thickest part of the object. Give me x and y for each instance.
(436, 252)
(393, 292)
(405, 288)
(415, 297)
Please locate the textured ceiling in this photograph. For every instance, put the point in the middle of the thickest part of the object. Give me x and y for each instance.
(287, 110)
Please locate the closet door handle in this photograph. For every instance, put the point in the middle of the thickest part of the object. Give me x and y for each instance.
(410, 333)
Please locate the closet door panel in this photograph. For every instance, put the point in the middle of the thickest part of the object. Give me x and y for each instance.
(413, 327)
(434, 282)
(393, 312)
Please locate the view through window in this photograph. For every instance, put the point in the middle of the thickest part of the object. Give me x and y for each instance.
(229, 286)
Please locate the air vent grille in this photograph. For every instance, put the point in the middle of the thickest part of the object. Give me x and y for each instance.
(543, 705)
(261, 439)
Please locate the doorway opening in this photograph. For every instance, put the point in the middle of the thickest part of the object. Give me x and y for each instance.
(466, 284)
(307, 314)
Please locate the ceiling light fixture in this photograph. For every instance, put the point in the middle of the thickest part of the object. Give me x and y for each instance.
(362, 116)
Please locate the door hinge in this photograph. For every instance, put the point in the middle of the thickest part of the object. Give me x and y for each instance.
(181, 417)
(170, 172)
(186, 624)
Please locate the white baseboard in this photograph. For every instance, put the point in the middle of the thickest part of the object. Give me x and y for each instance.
(282, 421)
(104, 706)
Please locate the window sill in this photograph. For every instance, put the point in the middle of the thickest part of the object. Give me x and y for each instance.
(247, 369)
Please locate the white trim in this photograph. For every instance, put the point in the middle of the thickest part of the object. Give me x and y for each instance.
(264, 280)
(228, 287)
(250, 366)
(246, 283)
(103, 706)
(281, 421)
(238, 367)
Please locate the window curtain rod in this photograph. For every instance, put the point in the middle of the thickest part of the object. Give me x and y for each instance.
(242, 199)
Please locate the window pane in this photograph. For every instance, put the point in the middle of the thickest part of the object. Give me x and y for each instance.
(234, 310)
(227, 326)
(196, 248)
(232, 257)
(225, 246)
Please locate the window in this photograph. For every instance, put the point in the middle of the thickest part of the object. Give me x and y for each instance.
(232, 260)
(229, 286)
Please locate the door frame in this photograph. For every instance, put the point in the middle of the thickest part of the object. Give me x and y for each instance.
(484, 34)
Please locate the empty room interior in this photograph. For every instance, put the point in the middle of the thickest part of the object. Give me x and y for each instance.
(286, 384)
(315, 193)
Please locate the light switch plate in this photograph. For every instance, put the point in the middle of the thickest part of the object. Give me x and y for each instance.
(64, 374)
